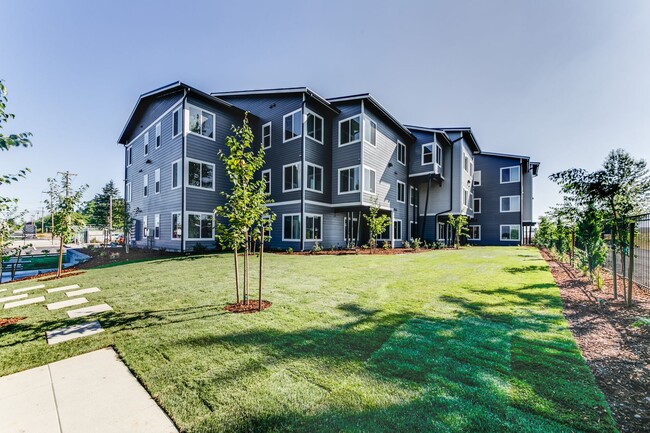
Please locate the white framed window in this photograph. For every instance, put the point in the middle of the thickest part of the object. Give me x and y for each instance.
(176, 174)
(369, 131)
(350, 228)
(156, 226)
(465, 197)
(349, 180)
(129, 156)
(369, 180)
(127, 192)
(146, 143)
(266, 135)
(474, 233)
(415, 198)
(427, 153)
(509, 232)
(202, 122)
(438, 158)
(145, 185)
(315, 127)
(266, 177)
(200, 174)
(314, 177)
(158, 135)
(442, 231)
(510, 174)
(177, 226)
(156, 183)
(477, 205)
(401, 153)
(291, 227)
(465, 162)
(397, 230)
(385, 235)
(200, 225)
(471, 167)
(313, 227)
(509, 203)
(349, 131)
(477, 178)
(292, 125)
(145, 227)
(401, 192)
(291, 177)
(177, 123)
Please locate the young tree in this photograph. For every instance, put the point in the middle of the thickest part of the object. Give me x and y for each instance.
(106, 209)
(377, 223)
(128, 217)
(590, 238)
(460, 225)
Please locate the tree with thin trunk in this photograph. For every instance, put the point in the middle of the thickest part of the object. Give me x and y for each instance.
(460, 226)
(377, 223)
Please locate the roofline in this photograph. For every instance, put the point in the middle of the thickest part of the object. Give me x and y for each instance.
(468, 131)
(434, 130)
(280, 90)
(506, 155)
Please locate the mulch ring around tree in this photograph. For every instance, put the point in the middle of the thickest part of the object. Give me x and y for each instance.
(251, 307)
(10, 321)
(613, 344)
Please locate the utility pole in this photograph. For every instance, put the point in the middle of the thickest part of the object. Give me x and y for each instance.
(42, 219)
(66, 181)
(110, 217)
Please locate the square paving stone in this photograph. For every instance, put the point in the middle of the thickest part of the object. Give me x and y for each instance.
(68, 303)
(27, 289)
(3, 290)
(71, 332)
(90, 310)
(63, 288)
(13, 298)
(25, 302)
(82, 291)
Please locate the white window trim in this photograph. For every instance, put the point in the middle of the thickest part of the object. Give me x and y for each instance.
(390, 232)
(338, 180)
(433, 153)
(322, 177)
(158, 134)
(397, 192)
(435, 157)
(365, 167)
(146, 143)
(302, 127)
(180, 122)
(399, 146)
(508, 168)
(270, 125)
(509, 197)
(214, 122)
(304, 233)
(128, 192)
(364, 130)
(129, 156)
(145, 183)
(156, 217)
(400, 231)
(289, 215)
(268, 170)
(178, 161)
(299, 164)
(360, 130)
(156, 180)
(171, 224)
(479, 232)
(466, 202)
(322, 132)
(187, 174)
(480, 205)
(439, 231)
(466, 156)
(187, 231)
(480, 180)
(509, 225)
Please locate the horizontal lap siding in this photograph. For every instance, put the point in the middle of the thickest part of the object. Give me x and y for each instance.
(276, 234)
(155, 109)
(345, 156)
(320, 154)
(439, 194)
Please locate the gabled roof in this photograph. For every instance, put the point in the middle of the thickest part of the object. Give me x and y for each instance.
(280, 91)
(368, 97)
(506, 155)
(145, 98)
(440, 132)
(468, 135)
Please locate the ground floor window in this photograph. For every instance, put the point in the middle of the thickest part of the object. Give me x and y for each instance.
(177, 226)
(509, 232)
(474, 233)
(397, 230)
(291, 227)
(350, 228)
(145, 227)
(156, 226)
(313, 226)
(200, 226)
(442, 232)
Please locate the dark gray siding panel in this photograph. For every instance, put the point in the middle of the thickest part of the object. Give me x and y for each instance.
(345, 156)
(155, 109)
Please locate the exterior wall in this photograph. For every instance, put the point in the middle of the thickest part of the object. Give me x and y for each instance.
(527, 196)
(345, 156)
(462, 178)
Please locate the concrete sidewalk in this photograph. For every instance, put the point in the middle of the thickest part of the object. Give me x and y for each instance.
(91, 393)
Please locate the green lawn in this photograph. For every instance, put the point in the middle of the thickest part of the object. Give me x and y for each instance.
(445, 341)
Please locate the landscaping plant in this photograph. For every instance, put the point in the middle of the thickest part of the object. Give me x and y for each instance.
(377, 223)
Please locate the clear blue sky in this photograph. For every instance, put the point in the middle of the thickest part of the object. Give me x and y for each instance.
(561, 81)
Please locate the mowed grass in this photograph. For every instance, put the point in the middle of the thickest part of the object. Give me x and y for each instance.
(445, 341)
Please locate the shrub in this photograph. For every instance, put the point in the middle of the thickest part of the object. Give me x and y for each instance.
(386, 245)
(406, 244)
(416, 243)
(365, 246)
(316, 248)
(289, 250)
(439, 245)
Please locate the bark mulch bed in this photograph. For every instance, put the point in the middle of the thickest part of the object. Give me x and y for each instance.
(10, 321)
(251, 307)
(617, 352)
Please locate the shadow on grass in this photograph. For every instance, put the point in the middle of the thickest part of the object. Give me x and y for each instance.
(526, 269)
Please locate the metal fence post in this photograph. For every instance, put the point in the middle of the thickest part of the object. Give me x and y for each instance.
(630, 282)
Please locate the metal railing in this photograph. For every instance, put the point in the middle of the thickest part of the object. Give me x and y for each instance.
(636, 254)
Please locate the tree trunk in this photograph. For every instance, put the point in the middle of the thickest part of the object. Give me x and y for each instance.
(630, 280)
(13, 268)
(236, 250)
(246, 246)
(614, 260)
(259, 303)
(58, 271)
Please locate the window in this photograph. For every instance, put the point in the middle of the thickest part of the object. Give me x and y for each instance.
(315, 127)
(145, 227)
(465, 197)
(369, 178)
(350, 228)
(349, 131)
(477, 178)
(369, 131)
(465, 162)
(415, 197)
(439, 158)
(385, 235)
(156, 226)
(157, 181)
(266, 177)
(509, 232)
(314, 178)
(158, 135)
(201, 122)
(146, 143)
(291, 177)
(401, 153)
(348, 180)
(471, 167)
(200, 175)
(176, 123)
(442, 231)
(291, 227)
(401, 192)
(145, 185)
(292, 125)
(313, 225)
(510, 203)
(510, 174)
(427, 154)
(128, 192)
(477, 205)
(176, 165)
(177, 227)
(129, 156)
(474, 233)
(266, 135)
(199, 226)
(397, 230)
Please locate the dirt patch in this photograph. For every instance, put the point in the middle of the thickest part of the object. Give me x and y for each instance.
(617, 352)
(10, 321)
(251, 307)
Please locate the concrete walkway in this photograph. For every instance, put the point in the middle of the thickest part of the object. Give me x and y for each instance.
(91, 393)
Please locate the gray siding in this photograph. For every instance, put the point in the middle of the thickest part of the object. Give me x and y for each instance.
(345, 156)
(154, 110)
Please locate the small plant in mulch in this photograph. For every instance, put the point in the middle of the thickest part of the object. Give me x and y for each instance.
(251, 307)
(10, 321)
(642, 321)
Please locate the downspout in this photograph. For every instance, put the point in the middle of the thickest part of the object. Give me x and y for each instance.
(451, 187)
(521, 202)
(303, 178)
(361, 169)
(183, 182)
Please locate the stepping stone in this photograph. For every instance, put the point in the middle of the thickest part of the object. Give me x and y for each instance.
(68, 303)
(63, 288)
(87, 311)
(13, 298)
(71, 332)
(82, 292)
(25, 302)
(27, 289)
(3, 290)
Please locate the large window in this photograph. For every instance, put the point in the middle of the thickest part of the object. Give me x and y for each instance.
(292, 125)
(177, 122)
(158, 135)
(401, 192)
(200, 226)
(474, 233)
(509, 232)
(201, 122)
(156, 226)
(313, 226)
(465, 162)
(266, 135)
(510, 174)
(145, 185)
(349, 180)
(177, 225)
(291, 227)
(477, 178)
(266, 177)
(176, 174)
(291, 177)
(369, 131)
(369, 180)
(510, 203)
(314, 177)
(401, 153)
(315, 127)
(397, 230)
(156, 183)
(129, 156)
(146, 143)
(200, 175)
(128, 192)
(427, 153)
(477, 205)
(349, 131)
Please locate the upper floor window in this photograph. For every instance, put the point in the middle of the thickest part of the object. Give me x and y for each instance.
(314, 178)
(200, 175)
(129, 156)
(439, 157)
(127, 192)
(348, 180)
(401, 153)
(477, 205)
(201, 122)
(510, 174)
(349, 131)
(145, 185)
(266, 135)
(510, 203)
(157, 181)
(266, 177)
(401, 192)
(292, 125)
(428, 156)
(465, 162)
(176, 173)
(477, 178)
(415, 198)
(465, 197)
(369, 131)
(369, 180)
(146, 143)
(176, 122)
(291, 177)
(315, 127)
(158, 135)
